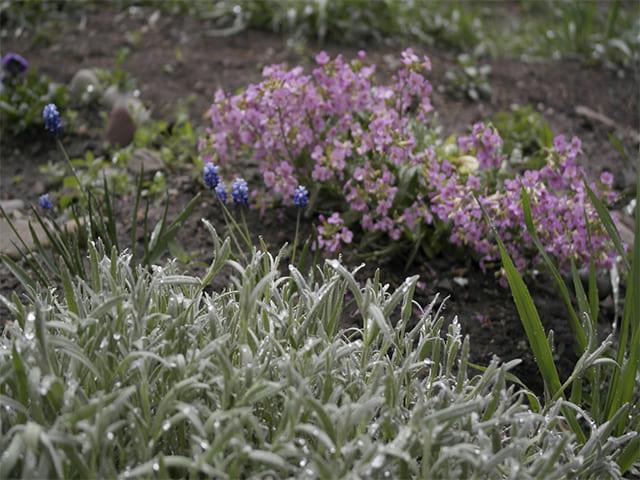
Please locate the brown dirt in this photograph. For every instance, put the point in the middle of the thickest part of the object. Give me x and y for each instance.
(485, 310)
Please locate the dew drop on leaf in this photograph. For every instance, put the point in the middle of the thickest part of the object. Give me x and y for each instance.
(378, 461)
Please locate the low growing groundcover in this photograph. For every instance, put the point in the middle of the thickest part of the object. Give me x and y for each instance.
(138, 373)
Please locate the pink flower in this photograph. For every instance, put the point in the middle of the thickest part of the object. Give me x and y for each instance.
(322, 58)
(606, 178)
(332, 233)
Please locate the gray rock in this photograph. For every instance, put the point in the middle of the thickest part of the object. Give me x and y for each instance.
(625, 224)
(10, 206)
(8, 237)
(110, 96)
(9, 240)
(85, 87)
(38, 188)
(149, 160)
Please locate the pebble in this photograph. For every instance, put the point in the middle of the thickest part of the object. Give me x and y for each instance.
(148, 159)
(625, 224)
(8, 237)
(111, 96)
(10, 206)
(85, 87)
(38, 188)
(121, 127)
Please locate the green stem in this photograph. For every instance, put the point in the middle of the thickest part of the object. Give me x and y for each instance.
(230, 228)
(73, 170)
(245, 230)
(295, 239)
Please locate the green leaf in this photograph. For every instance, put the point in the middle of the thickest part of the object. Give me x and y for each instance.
(577, 328)
(608, 224)
(622, 387)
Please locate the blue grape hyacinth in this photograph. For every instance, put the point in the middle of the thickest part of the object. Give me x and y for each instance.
(300, 196)
(240, 192)
(51, 117)
(210, 173)
(221, 192)
(45, 202)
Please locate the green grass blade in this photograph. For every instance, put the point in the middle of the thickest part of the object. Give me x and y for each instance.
(577, 328)
(19, 273)
(111, 219)
(622, 384)
(164, 236)
(631, 324)
(608, 223)
(134, 217)
(630, 454)
(529, 317)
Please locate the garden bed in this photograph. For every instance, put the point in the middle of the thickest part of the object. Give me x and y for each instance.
(165, 77)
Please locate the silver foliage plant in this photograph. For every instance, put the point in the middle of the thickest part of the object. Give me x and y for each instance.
(140, 373)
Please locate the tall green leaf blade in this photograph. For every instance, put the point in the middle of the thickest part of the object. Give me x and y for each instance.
(531, 322)
(623, 385)
(562, 287)
(608, 223)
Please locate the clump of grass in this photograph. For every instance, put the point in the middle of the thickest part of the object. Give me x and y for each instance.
(604, 384)
(147, 372)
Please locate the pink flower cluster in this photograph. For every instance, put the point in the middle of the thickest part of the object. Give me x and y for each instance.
(354, 139)
(565, 220)
(485, 142)
(332, 233)
(356, 132)
(334, 114)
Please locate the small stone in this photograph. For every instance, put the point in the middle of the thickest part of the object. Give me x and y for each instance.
(625, 224)
(149, 160)
(445, 285)
(85, 87)
(10, 206)
(110, 96)
(8, 237)
(461, 281)
(121, 127)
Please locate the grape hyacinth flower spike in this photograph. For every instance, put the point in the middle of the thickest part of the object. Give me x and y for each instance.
(221, 192)
(240, 192)
(53, 124)
(45, 202)
(300, 196)
(52, 121)
(210, 174)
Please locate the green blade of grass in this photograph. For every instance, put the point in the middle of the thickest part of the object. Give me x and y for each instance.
(134, 217)
(532, 325)
(528, 316)
(164, 236)
(608, 224)
(623, 384)
(111, 220)
(562, 287)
